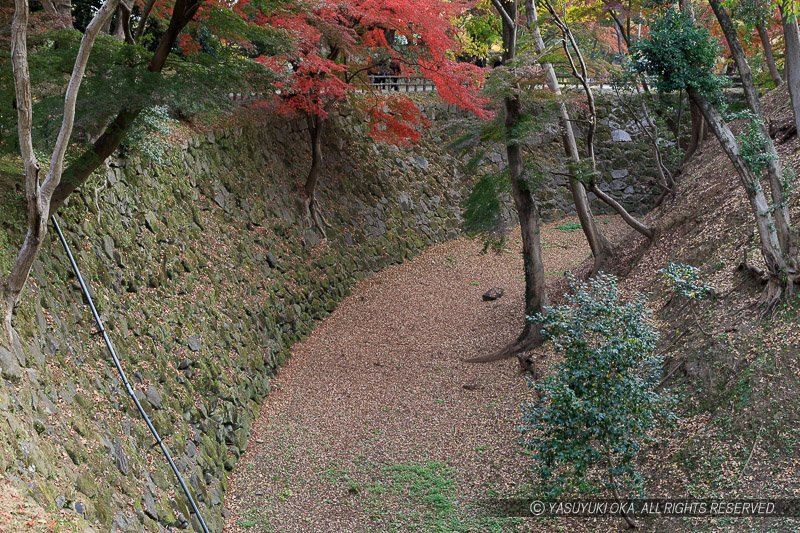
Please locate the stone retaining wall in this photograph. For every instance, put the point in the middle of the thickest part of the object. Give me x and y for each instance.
(206, 273)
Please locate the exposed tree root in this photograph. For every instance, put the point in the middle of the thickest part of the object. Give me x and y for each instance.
(528, 341)
(314, 217)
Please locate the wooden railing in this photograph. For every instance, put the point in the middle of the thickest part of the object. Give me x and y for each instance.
(401, 84)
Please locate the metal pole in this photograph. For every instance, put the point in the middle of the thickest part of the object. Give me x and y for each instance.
(123, 377)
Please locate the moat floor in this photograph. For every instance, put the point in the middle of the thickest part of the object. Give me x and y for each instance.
(376, 424)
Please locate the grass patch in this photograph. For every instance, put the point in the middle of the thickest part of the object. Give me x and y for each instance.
(422, 496)
(569, 226)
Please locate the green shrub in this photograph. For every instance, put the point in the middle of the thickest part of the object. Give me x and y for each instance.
(680, 55)
(686, 281)
(149, 133)
(595, 410)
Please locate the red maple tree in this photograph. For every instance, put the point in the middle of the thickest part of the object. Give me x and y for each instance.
(339, 44)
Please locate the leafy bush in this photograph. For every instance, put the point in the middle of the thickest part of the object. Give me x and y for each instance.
(686, 281)
(680, 55)
(595, 410)
(753, 146)
(148, 134)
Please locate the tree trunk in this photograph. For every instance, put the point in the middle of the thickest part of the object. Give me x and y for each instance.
(769, 58)
(313, 215)
(697, 133)
(791, 37)
(117, 30)
(774, 167)
(698, 125)
(601, 248)
(527, 212)
(782, 275)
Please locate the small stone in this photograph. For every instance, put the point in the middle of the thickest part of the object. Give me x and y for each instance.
(420, 162)
(620, 136)
(492, 294)
(220, 194)
(108, 246)
(195, 343)
(120, 458)
(149, 506)
(153, 397)
(619, 174)
(271, 260)
(471, 386)
(80, 508)
(9, 366)
(184, 364)
(151, 221)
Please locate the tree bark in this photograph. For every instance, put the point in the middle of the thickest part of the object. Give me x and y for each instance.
(782, 275)
(631, 220)
(535, 288)
(524, 201)
(697, 133)
(601, 248)
(313, 214)
(769, 57)
(39, 196)
(774, 167)
(90, 159)
(791, 37)
(698, 125)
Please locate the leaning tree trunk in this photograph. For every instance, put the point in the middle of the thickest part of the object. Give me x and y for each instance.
(774, 167)
(791, 37)
(782, 275)
(769, 57)
(601, 248)
(313, 214)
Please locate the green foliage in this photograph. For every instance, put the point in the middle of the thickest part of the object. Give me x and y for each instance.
(116, 76)
(582, 171)
(753, 145)
(569, 226)
(788, 181)
(595, 410)
(749, 11)
(483, 208)
(680, 55)
(687, 281)
(148, 134)
(480, 32)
